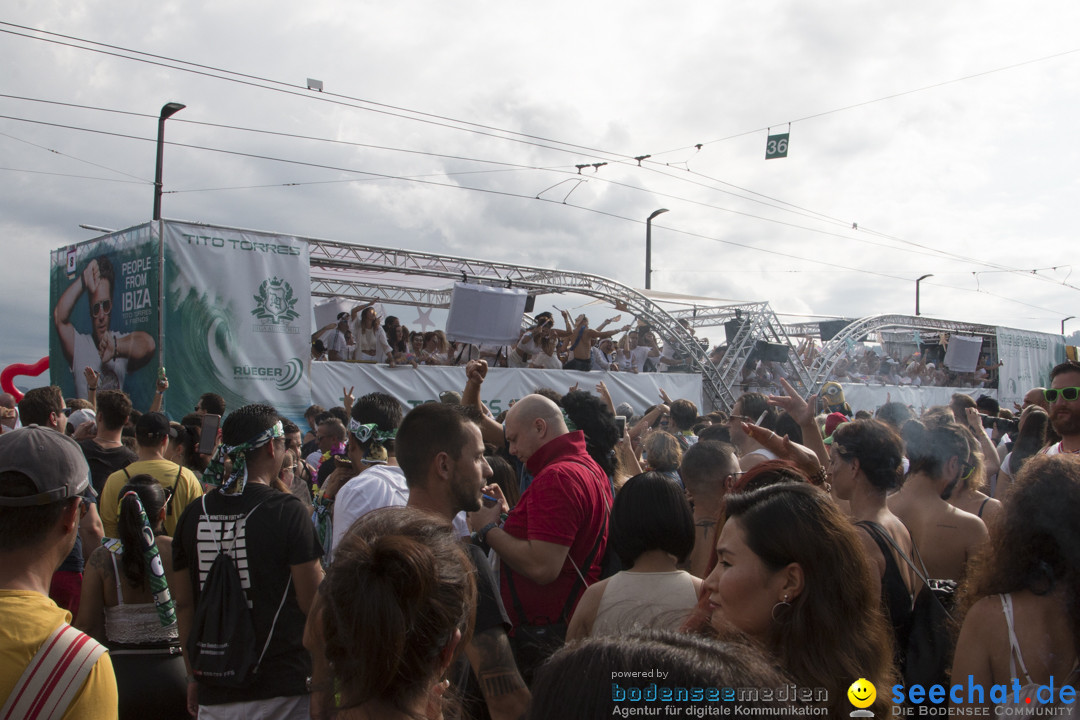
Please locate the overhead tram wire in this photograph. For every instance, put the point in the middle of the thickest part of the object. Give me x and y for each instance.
(72, 157)
(298, 92)
(876, 100)
(455, 157)
(530, 197)
(377, 176)
(302, 92)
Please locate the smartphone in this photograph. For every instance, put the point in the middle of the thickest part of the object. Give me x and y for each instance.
(620, 421)
(208, 436)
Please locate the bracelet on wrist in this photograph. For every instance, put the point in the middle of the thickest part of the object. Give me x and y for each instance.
(482, 534)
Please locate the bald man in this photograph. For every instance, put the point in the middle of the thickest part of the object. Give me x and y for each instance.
(1036, 396)
(559, 525)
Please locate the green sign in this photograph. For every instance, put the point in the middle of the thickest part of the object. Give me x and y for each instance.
(777, 146)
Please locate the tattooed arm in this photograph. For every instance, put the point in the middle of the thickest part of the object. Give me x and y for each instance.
(504, 691)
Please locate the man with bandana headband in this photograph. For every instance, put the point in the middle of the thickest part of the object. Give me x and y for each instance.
(377, 480)
(277, 555)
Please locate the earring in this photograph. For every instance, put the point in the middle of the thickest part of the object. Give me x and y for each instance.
(780, 608)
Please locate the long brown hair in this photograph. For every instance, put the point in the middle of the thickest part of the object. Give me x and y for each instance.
(399, 587)
(834, 632)
(1037, 543)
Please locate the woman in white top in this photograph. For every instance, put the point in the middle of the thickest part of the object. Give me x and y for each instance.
(371, 342)
(1023, 593)
(546, 359)
(652, 531)
(126, 604)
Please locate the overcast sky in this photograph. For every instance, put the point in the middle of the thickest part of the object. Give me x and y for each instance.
(973, 181)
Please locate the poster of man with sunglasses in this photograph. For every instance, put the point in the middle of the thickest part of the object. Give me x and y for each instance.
(112, 351)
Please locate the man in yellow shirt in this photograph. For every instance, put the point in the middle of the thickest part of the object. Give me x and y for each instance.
(152, 433)
(42, 477)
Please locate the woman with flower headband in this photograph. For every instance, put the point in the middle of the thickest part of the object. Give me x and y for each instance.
(126, 604)
(374, 481)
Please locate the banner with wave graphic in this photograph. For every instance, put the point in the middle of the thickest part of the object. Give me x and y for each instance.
(237, 318)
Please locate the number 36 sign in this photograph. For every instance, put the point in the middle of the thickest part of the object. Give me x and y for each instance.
(777, 146)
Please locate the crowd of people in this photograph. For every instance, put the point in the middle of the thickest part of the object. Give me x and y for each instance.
(359, 336)
(546, 561)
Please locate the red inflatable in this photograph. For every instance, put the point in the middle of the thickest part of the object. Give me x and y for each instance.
(15, 370)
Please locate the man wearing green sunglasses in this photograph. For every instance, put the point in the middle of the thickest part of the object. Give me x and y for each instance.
(1064, 399)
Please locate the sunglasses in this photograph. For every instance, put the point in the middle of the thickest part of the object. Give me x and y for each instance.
(1069, 393)
(105, 306)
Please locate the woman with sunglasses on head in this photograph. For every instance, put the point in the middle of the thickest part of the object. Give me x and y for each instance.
(968, 494)
(864, 467)
(945, 536)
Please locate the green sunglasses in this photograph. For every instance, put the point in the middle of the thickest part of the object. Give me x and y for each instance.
(1069, 393)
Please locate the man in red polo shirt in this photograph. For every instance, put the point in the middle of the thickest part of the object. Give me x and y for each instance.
(560, 524)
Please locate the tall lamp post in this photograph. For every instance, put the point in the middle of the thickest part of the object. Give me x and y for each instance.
(648, 247)
(917, 292)
(1071, 317)
(167, 111)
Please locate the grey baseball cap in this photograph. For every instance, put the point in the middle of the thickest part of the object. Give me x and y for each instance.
(53, 461)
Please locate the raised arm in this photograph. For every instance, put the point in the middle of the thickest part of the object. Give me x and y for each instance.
(475, 372)
(88, 281)
(802, 412)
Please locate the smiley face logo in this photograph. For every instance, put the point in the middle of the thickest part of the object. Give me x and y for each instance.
(862, 693)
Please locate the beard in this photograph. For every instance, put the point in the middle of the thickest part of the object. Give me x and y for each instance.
(465, 493)
(1066, 422)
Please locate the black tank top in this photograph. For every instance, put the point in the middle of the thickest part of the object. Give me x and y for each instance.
(894, 593)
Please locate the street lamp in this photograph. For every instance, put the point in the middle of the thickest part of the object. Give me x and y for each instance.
(648, 247)
(917, 292)
(1071, 317)
(167, 111)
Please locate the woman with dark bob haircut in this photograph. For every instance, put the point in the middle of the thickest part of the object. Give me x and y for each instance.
(1023, 591)
(577, 681)
(396, 606)
(864, 467)
(652, 530)
(792, 576)
(594, 418)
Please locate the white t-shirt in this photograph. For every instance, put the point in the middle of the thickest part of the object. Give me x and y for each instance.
(636, 358)
(85, 354)
(377, 487)
(545, 361)
(335, 340)
(600, 360)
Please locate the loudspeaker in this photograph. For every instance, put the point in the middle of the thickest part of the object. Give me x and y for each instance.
(771, 352)
(732, 328)
(830, 328)
(480, 314)
(530, 303)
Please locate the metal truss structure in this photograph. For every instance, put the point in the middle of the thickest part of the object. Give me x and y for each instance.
(833, 350)
(405, 277)
(390, 275)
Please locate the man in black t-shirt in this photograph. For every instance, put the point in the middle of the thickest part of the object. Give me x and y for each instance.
(439, 448)
(105, 453)
(277, 553)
